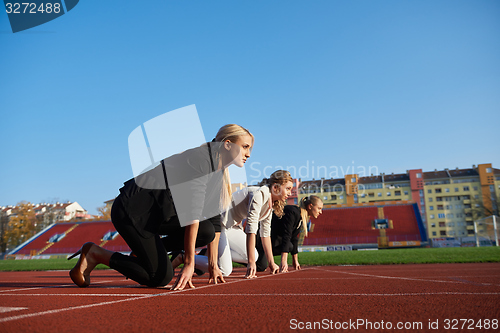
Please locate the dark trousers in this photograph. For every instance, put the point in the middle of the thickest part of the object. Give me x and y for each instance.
(151, 266)
(277, 246)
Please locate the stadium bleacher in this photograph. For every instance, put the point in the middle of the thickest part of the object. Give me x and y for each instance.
(70, 237)
(354, 225)
(336, 226)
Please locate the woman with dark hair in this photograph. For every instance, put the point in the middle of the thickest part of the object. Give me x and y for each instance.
(198, 184)
(285, 231)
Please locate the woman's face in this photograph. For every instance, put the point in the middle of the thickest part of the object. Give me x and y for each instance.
(281, 192)
(239, 151)
(315, 210)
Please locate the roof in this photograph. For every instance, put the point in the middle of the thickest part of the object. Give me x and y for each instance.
(463, 172)
(370, 180)
(396, 177)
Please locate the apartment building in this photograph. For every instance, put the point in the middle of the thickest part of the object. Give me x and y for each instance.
(448, 200)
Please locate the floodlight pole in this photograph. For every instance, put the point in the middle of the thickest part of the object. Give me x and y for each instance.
(495, 229)
(475, 233)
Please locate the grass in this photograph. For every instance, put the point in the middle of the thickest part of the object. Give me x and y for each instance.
(380, 257)
(402, 256)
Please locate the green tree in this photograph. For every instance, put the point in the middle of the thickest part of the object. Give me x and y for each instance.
(22, 225)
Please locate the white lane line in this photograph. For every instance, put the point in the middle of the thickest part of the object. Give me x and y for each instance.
(4, 309)
(403, 278)
(36, 314)
(353, 294)
(85, 295)
(47, 287)
(176, 293)
(142, 296)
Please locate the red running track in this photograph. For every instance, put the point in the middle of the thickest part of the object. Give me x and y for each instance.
(335, 298)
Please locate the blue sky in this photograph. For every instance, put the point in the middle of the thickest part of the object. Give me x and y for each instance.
(391, 85)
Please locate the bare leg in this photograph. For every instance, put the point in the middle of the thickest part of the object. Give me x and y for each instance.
(96, 255)
(90, 256)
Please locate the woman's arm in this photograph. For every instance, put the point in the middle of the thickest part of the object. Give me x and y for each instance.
(214, 273)
(268, 249)
(251, 267)
(187, 271)
(284, 262)
(252, 225)
(295, 259)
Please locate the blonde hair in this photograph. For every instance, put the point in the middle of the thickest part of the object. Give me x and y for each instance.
(304, 214)
(278, 177)
(231, 132)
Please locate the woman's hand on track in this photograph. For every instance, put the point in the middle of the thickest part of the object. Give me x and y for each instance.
(184, 278)
(215, 275)
(251, 271)
(283, 267)
(274, 268)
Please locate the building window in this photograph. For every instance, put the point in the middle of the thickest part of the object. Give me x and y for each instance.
(438, 190)
(397, 192)
(442, 224)
(334, 197)
(466, 188)
(456, 189)
(431, 216)
(325, 198)
(418, 175)
(341, 197)
(371, 195)
(447, 190)
(430, 199)
(406, 192)
(429, 191)
(475, 188)
(421, 193)
(433, 225)
(353, 180)
(441, 216)
(488, 170)
(433, 233)
(388, 194)
(439, 198)
(442, 233)
(379, 194)
(440, 207)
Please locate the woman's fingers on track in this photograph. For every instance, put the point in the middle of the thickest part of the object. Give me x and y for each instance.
(250, 274)
(181, 283)
(216, 280)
